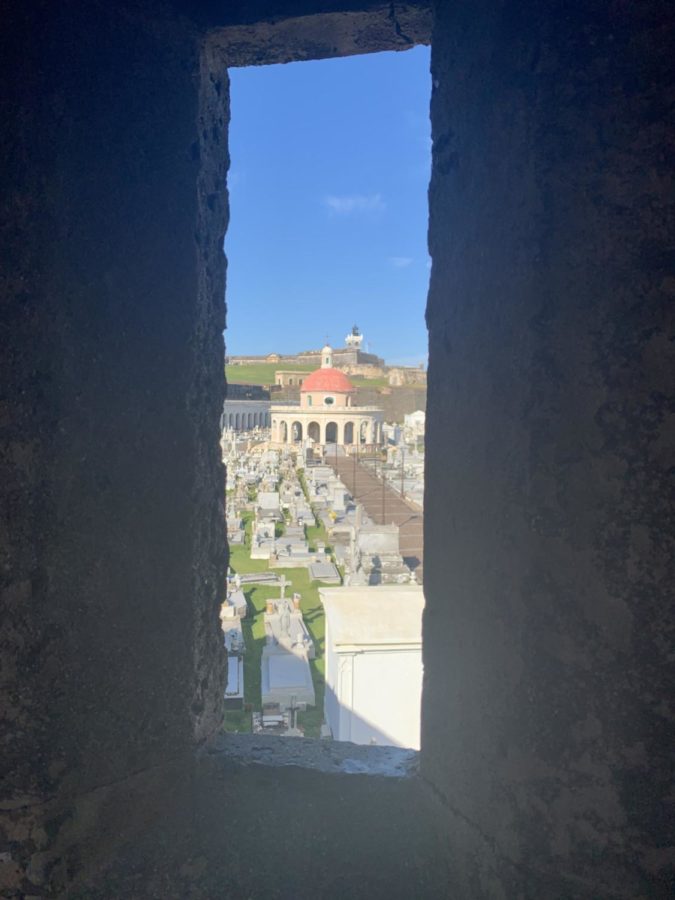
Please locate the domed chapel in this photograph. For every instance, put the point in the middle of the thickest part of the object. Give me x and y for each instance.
(326, 413)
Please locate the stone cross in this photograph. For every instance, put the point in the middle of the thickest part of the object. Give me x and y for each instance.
(283, 582)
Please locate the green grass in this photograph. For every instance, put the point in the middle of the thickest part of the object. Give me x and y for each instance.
(361, 381)
(316, 533)
(303, 483)
(254, 631)
(238, 721)
(264, 373)
(261, 373)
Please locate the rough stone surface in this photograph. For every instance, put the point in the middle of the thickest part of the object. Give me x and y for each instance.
(549, 617)
(549, 553)
(113, 546)
(269, 832)
(380, 27)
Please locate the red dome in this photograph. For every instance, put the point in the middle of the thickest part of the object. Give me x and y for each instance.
(330, 380)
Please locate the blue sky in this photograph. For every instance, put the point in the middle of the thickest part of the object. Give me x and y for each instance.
(328, 186)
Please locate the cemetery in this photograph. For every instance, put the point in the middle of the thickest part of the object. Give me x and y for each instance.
(297, 532)
(281, 668)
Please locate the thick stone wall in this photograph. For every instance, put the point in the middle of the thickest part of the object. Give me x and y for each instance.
(250, 822)
(548, 559)
(114, 132)
(549, 518)
(112, 388)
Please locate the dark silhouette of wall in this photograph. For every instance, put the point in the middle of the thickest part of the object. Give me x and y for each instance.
(549, 516)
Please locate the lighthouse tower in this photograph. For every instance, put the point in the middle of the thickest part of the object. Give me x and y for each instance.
(354, 339)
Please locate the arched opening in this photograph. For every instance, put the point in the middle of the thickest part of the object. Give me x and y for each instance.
(296, 432)
(314, 432)
(349, 433)
(331, 432)
(236, 421)
(363, 433)
(283, 432)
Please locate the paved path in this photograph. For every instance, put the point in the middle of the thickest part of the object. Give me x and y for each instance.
(384, 506)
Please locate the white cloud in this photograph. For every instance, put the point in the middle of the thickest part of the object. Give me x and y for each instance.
(354, 203)
(400, 262)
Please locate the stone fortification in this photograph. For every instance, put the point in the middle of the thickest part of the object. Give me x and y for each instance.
(401, 376)
(364, 370)
(350, 360)
(345, 356)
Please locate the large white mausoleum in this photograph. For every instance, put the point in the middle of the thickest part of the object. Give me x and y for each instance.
(326, 413)
(373, 658)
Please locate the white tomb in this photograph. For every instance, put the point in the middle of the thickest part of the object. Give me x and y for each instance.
(234, 605)
(324, 571)
(234, 689)
(285, 626)
(268, 501)
(286, 679)
(234, 644)
(373, 648)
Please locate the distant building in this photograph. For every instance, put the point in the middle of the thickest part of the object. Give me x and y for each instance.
(247, 392)
(290, 377)
(326, 413)
(349, 355)
(354, 339)
(373, 659)
(401, 376)
(246, 406)
(414, 424)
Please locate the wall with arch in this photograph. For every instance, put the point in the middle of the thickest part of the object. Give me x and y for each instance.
(245, 415)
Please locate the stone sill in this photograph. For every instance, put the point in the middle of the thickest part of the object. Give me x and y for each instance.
(329, 757)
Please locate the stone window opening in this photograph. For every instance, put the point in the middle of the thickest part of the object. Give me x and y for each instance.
(546, 744)
(227, 48)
